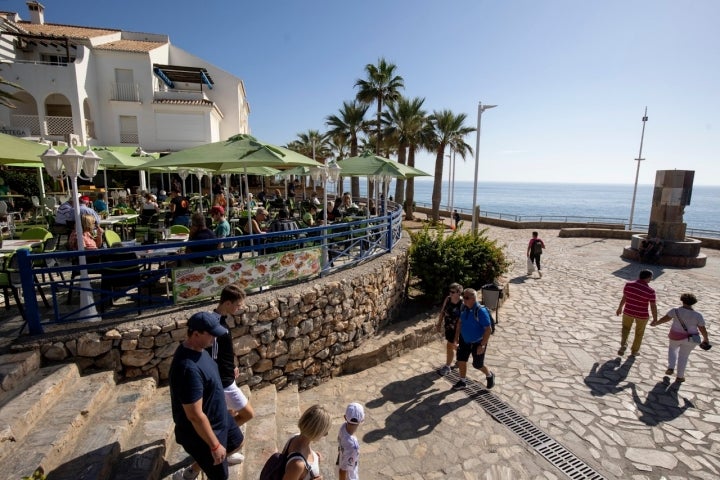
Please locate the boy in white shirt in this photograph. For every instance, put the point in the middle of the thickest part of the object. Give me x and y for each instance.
(348, 445)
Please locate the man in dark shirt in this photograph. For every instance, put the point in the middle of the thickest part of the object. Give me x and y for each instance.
(179, 209)
(199, 231)
(203, 425)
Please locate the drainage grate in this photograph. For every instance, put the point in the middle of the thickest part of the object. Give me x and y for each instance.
(559, 456)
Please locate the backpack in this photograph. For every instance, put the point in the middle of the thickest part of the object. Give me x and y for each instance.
(274, 468)
(492, 319)
(536, 248)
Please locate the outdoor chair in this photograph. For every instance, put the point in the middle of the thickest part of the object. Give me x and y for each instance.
(111, 238)
(117, 281)
(10, 280)
(36, 233)
(179, 229)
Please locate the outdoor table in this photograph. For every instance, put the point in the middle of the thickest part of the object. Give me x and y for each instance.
(176, 237)
(14, 245)
(122, 220)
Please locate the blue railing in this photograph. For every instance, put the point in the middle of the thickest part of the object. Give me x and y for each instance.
(59, 274)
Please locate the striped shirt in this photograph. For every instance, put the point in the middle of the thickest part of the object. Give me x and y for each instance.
(638, 296)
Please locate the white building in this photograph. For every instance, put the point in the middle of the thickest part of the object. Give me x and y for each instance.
(111, 87)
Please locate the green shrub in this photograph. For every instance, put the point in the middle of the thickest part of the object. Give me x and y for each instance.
(438, 259)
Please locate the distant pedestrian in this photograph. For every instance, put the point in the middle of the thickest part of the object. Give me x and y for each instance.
(456, 217)
(534, 251)
(447, 321)
(637, 297)
(348, 444)
(684, 335)
(203, 425)
(471, 337)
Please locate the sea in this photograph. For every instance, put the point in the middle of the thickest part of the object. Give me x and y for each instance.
(594, 201)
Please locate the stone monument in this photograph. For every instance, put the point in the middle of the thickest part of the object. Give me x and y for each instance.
(666, 230)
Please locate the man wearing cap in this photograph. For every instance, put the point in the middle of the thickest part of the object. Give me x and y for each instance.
(222, 227)
(348, 444)
(203, 425)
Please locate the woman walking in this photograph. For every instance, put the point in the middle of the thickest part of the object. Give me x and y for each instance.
(314, 424)
(684, 336)
(449, 315)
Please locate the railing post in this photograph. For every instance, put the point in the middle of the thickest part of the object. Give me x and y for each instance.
(27, 280)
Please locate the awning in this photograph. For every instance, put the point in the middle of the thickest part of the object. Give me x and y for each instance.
(170, 74)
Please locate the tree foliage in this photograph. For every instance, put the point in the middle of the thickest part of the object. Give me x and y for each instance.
(438, 259)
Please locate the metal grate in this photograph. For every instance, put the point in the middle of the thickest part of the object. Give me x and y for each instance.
(559, 456)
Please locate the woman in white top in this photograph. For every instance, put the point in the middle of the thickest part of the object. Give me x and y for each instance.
(686, 326)
(314, 424)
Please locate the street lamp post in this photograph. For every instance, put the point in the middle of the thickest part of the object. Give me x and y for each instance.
(637, 172)
(481, 109)
(74, 162)
(325, 174)
(183, 174)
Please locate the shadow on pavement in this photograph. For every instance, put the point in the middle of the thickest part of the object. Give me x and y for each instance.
(630, 271)
(662, 403)
(606, 379)
(421, 407)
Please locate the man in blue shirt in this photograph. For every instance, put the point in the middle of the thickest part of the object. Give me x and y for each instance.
(472, 334)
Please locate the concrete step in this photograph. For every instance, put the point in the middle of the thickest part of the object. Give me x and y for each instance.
(106, 433)
(151, 439)
(16, 372)
(20, 414)
(261, 432)
(59, 427)
(288, 414)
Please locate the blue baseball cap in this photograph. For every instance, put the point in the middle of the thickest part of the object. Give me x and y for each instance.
(207, 322)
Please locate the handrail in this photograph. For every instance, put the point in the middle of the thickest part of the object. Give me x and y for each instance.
(347, 244)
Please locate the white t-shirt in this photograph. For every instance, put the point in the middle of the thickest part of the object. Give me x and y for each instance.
(690, 318)
(349, 453)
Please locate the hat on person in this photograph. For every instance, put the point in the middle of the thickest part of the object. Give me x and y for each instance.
(217, 210)
(262, 211)
(207, 322)
(85, 199)
(354, 413)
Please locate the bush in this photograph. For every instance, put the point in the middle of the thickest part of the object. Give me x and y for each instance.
(437, 260)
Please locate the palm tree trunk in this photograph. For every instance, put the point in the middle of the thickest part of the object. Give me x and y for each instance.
(399, 182)
(410, 188)
(437, 183)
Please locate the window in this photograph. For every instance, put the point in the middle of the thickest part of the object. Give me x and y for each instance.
(128, 129)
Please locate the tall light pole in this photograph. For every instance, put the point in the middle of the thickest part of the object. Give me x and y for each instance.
(449, 157)
(637, 172)
(75, 162)
(481, 109)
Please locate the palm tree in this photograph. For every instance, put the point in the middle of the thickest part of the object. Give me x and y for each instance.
(382, 86)
(6, 98)
(312, 144)
(349, 122)
(403, 120)
(448, 129)
(422, 138)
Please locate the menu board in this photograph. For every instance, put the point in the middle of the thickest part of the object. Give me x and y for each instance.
(203, 281)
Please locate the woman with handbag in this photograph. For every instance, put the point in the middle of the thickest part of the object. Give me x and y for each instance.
(684, 335)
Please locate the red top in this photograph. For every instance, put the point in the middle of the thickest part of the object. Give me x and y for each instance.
(638, 297)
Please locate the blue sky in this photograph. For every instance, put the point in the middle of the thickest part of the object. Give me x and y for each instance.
(571, 77)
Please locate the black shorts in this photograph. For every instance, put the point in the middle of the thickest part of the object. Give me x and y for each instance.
(200, 451)
(450, 334)
(466, 349)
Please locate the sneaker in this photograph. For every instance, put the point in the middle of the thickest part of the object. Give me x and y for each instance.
(622, 350)
(680, 379)
(460, 384)
(185, 474)
(235, 458)
(634, 354)
(444, 370)
(669, 371)
(540, 273)
(490, 381)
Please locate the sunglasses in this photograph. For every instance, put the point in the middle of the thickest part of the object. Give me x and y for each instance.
(468, 298)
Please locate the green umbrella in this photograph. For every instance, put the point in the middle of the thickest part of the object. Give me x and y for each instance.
(369, 165)
(16, 151)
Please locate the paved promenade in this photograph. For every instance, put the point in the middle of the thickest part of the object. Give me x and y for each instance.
(554, 356)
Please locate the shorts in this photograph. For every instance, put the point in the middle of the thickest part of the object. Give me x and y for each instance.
(450, 335)
(466, 349)
(200, 451)
(234, 397)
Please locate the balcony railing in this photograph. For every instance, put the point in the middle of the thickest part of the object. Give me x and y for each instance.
(126, 92)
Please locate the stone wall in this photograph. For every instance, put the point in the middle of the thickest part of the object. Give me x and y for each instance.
(299, 334)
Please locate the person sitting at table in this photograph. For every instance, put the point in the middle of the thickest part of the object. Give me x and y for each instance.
(371, 207)
(222, 226)
(314, 199)
(100, 205)
(334, 211)
(92, 234)
(347, 203)
(199, 231)
(250, 202)
(65, 213)
(179, 209)
(220, 200)
(86, 208)
(217, 187)
(261, 197)
(261, 216)
(161, 196)
(283, 222)
(309, 217)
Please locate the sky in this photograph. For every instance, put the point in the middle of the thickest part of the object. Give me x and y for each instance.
(571, 78)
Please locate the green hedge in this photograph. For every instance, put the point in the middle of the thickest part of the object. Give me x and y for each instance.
(438, 259)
